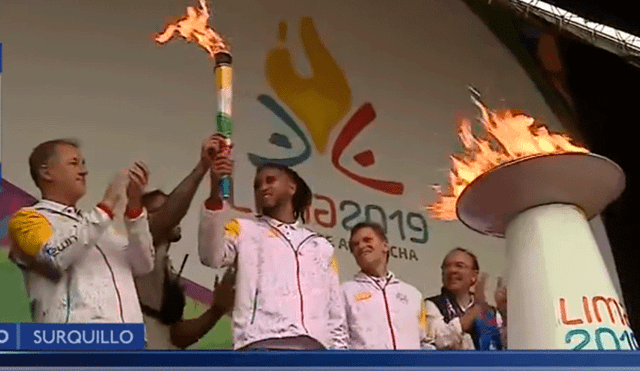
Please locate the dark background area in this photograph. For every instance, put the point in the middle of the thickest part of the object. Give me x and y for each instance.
(595, 95)
(622, 15)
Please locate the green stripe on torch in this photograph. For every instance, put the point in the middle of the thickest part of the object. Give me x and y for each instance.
(224, 123)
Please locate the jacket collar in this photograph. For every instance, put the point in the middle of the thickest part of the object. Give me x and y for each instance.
(452, 297)
(280, 225)
(389, 279)
(60, 208)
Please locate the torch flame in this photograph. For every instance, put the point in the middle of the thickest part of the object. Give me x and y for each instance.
(510, 136)
(194, 27)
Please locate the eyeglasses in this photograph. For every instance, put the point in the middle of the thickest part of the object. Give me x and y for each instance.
(458, 265)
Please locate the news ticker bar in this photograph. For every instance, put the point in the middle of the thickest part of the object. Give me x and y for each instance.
(327, 360)
(319, 369)
(48, 336)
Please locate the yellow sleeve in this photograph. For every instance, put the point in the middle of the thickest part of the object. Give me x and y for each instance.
(30, 230)
(422, 316)
(232, 229)
(335, 266)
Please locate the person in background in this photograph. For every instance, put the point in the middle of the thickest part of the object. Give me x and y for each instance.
(458, 319)
(382, 311)
(161, 294)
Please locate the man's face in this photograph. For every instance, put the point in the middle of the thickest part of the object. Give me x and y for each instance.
(66, 171)
(152, 206)
(272, 188)
(458, 275)
(369, 249)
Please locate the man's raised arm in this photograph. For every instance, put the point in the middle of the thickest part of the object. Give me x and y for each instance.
(218, 234)
(175, 208)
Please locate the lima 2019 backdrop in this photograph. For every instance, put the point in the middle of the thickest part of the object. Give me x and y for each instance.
(361, 98)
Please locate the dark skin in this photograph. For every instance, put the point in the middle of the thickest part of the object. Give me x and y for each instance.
(273, 192)
(153, 205)
(273, 189)
(175, 208)
(164, 216)
(187, 332)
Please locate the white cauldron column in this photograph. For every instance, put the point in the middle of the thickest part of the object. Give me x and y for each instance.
(560, 295)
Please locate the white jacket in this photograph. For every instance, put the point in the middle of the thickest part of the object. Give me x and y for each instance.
(384, 313)
(287, 280)
(96, 264)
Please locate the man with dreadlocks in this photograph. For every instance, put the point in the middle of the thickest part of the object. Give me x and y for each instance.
(287, 288)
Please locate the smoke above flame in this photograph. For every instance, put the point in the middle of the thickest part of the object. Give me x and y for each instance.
(509, 136)
(194, 27)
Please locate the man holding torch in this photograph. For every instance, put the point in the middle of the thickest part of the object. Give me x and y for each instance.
(287, 289)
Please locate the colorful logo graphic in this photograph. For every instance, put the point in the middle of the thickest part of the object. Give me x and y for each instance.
(321, 102)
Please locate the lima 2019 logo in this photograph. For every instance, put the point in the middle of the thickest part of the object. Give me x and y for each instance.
(321, 102)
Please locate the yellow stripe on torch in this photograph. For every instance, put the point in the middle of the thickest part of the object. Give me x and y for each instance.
(223, 77)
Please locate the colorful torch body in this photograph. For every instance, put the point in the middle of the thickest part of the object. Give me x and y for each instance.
(224, 122)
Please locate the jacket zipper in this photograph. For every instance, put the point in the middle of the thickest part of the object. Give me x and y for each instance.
(296, 253)
(113, 278)
(68, 299)
(386, 307)
(255, 306)
(300, 291)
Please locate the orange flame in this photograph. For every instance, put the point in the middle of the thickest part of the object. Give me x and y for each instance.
(511, 136)
(194, 27)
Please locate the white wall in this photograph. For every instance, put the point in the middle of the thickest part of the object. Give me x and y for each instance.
(91, 70)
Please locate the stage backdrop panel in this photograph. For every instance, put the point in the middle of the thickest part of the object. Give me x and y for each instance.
(361, 98)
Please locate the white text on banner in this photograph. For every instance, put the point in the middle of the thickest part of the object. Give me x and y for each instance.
(50, 336)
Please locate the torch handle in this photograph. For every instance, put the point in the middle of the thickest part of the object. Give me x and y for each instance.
(224, 123)
(225, 182)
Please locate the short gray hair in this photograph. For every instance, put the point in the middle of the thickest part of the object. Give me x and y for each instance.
(43, 153)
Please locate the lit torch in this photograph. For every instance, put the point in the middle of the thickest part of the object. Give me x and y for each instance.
(194, 27)
(538, 190)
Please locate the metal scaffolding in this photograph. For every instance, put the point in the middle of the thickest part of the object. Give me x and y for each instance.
(616, 41)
